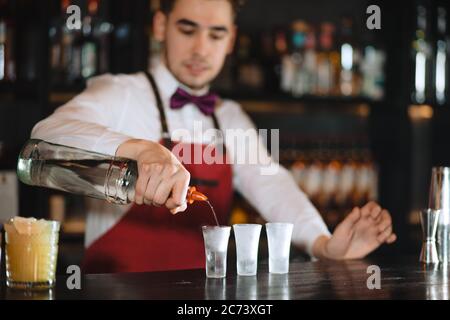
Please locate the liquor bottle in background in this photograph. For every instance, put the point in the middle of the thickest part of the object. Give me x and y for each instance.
(330, 184)
(350, 78)
(310, 61)
(362, 182)
(102, 30)
(314, 175)
(7, 56)
(54, 40)
(249, 72)
(298, 169)
(86, 47)
(90, 44)
(334, 57)
(367, 181)
(421, 49)
(346, 50)
(358, 56)
(300, 80)
(61, 45)
(325, 70)
(372, 169)
(372, 69)
(286, 64)
(442, 49)
(346, 183)
(298, 166)
(2, 50)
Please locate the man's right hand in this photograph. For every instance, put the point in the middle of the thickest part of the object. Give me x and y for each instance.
(163, 180)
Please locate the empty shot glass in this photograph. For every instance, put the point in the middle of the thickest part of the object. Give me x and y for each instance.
(216, 247)
(279, 240)
(247, 241)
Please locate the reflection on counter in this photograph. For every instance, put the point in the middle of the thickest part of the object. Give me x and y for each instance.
(215, 289)
(278, 286)
(14, 294)
(437, 279)
(246, 287)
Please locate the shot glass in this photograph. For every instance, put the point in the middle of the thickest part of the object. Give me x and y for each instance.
(216, 247)
(247, 241)
(279, 240)
(31, 253)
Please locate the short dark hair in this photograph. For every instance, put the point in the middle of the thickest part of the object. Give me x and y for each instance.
(166, 6)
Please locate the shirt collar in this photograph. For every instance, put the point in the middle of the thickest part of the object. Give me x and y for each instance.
(168, 84)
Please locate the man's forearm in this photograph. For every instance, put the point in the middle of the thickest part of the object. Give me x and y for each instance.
(319, 249)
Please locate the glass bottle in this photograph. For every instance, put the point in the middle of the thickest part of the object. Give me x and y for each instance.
(421, 57)
(82, 172)
(442, 49)
(7, 32)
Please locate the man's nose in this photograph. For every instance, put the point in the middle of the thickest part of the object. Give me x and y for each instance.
(201, 45)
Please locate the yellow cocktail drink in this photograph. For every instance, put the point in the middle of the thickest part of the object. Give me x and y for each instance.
(31, 253)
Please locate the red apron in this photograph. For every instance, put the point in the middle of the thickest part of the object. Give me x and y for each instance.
(152, 239)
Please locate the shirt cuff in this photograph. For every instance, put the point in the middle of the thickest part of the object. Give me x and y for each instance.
(305, 235)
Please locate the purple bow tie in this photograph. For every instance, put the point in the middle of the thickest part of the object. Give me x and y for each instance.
(205, 103)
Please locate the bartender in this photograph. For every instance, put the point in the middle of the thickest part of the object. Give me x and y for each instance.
(137, 116)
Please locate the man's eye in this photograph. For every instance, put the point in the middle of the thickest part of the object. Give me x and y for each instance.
(187, 32)
(216, 36)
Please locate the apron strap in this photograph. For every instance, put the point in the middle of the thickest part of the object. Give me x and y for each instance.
(216, 123)
(217, 126)
(162, 114)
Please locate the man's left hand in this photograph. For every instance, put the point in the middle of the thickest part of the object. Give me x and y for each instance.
(361, 232)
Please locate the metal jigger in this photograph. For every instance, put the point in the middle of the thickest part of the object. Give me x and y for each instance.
(429, 219)
(439, 199)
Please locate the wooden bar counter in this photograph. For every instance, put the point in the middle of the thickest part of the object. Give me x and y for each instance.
(401, 278)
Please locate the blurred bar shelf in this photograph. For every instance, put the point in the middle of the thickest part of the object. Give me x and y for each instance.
(284, 104)
(305, 99)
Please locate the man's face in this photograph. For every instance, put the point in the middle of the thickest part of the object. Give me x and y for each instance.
(198, 35)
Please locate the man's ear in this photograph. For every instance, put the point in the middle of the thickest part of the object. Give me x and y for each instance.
(232, 42)
(159, 26)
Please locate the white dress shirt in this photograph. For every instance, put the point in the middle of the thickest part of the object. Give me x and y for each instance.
(114, 109)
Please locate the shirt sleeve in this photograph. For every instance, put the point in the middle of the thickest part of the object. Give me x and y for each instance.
(90, 120)
(271, 190)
